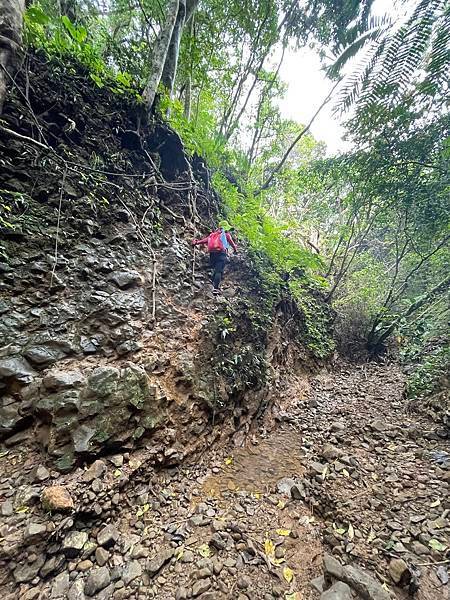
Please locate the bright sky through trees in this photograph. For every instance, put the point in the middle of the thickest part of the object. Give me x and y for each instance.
(308, 86)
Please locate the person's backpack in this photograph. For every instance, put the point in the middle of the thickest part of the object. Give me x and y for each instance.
(215, 243)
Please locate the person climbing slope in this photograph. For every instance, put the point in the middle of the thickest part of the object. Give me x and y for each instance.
(218, 243)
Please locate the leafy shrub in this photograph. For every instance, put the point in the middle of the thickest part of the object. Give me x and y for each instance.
(60, 39)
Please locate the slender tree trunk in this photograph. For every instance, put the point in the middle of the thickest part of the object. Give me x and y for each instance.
(188, 84)
(377, 338)
(171, 62)
(159, 54)
(11, 20)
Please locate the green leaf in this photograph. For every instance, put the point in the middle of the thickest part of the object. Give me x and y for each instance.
(36, 15)
(437, 545)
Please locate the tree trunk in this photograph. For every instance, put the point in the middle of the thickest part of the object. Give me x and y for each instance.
(171, 63)
(188, 83)
(159, 55)
(11, 19)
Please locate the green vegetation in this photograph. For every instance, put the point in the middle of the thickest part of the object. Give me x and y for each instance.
(366, 230)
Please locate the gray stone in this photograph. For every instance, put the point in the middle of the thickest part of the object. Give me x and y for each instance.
(338, 591)
(60, 586)
(330, 452)
(27, 571)
(76, 591)
(337, 426)
(61, 380)
(108, 536)
(97, 580)
(131, 571)
(95, 471)
(200, 587)
(17, 369)
(45, 355)
(101, 556)
(364, 584)
(51, 565)
(332, 567)
(111, 407)
(155, 564)
(7, 508)
(318, 583)
(41, 473)
(11, 418)
(73, 543)
(284, 486)
(318, 468)
(34, 532)
(378, 425)
(126, 279)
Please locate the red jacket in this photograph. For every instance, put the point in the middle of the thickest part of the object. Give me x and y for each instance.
(206, 239)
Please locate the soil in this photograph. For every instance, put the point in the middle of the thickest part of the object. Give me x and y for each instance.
(231, 528)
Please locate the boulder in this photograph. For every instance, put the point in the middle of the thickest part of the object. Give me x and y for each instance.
(97, 580)
(338, 591)
(17, 369)
(364, 584)
(56, 498)
(107, 408)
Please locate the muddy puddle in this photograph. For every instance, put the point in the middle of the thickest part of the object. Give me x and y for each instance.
(258, 468)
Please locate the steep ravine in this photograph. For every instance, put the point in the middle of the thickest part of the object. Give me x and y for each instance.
(159, 443)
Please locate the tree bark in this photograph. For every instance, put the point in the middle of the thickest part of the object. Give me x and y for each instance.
(159, 55)
(11, 20)
(171, 62)
(186, 10)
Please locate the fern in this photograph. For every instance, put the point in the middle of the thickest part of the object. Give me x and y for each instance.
(394, 59)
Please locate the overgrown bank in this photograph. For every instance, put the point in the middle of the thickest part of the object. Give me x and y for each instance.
(100, 284)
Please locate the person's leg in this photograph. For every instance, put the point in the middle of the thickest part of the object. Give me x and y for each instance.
(219, 269)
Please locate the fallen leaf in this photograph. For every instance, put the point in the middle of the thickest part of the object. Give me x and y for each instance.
(283, 532)
(372, 535)
(179, 554)
(229, 460)
(437, 545)
(345, 473)
(350, 532)
(204, 550)
(142, 510)
(269, 548)
(288, 574)
(435, 503)
(256, 495)
(281, 504)
(22, 509)
(117, 473)
(294, 596)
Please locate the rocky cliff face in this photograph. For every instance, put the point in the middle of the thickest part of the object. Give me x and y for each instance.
(109, 336)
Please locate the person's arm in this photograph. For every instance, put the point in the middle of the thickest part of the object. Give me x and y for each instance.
(199, 242)
(231, 242)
